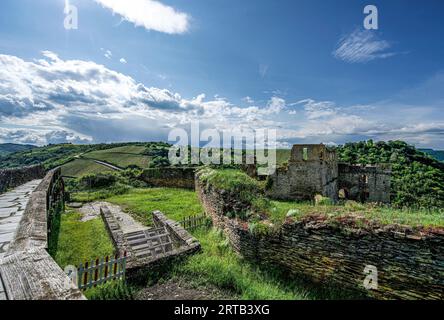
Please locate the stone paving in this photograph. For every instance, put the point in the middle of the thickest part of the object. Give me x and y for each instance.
(12, 206)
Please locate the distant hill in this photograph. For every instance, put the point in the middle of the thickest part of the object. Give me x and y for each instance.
(437, 154)
(8, 148)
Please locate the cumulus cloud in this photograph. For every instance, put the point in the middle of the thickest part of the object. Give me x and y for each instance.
(362, 46)
(51, 100)
(150, 14)
(76, 100)
(123, 61)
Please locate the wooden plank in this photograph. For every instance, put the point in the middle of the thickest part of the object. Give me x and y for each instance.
(35, 276)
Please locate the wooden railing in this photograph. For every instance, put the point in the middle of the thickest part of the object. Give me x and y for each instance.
(196, 221)
(91, 274)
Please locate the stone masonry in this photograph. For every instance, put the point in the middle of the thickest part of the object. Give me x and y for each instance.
(409, 261)
(11, 178)
(314, 169)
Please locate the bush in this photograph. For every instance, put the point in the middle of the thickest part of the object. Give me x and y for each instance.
(95, 181)
(323, 201)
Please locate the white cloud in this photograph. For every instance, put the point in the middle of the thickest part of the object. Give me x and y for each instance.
(89, 101)
(108, 54)
(150, 14)
(123, 61)
(52, 100)
(362, 46)
(248, 100)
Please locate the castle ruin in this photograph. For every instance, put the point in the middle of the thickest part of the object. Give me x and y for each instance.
(314, 169)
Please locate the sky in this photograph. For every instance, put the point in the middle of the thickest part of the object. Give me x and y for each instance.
(135, 70)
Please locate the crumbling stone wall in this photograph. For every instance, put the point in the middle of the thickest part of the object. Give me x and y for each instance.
(312, 170)
(365, 183)
(169, 177)
(410, 261)
(11, 178)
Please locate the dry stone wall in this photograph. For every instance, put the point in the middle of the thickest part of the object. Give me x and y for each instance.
(11, 178)
(410, 261)
(169, 177)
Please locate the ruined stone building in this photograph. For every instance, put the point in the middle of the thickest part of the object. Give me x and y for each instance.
(314, 169)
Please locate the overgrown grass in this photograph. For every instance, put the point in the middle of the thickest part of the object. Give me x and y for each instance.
(381, 214)
(113, 290)
(99, 194)
(81, 241)
(219, 266)
(231, 180)
(175, 203)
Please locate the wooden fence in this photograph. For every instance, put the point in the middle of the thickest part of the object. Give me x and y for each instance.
(91, 274)
(196, 221)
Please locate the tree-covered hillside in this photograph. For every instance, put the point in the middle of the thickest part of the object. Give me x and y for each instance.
(52, 156)
(437, 154)
(418, 178)
(8, 148)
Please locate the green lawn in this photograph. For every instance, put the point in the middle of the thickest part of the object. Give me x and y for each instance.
(82, 167)
(121, 156)
(175, 203)
(384, 215)
(79, 241)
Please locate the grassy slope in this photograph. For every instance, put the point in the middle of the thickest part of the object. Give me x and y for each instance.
(81, 241)
(121, 156)
(81, 167)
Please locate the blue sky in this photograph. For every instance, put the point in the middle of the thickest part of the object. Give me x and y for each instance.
(136, 70)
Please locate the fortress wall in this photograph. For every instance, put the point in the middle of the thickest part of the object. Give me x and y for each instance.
(409, 261)
(169, 177)
(11, 178)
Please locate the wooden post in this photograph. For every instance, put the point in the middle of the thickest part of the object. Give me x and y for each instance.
(85, 275)
(96, 272)
(106, 267)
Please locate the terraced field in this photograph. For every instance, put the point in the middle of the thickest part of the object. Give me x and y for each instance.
(81, 167)
(122, 156)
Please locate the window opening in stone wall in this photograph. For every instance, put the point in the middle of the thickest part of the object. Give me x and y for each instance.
(305, 154)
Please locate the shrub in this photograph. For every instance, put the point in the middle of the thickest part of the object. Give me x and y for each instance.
(323, 201)
(95, 181)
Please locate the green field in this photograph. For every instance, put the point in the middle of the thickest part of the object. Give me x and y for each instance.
(122, 156)
(81, 167)
(175, 203)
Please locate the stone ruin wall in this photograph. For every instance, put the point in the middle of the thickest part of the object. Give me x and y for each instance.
(365, 183)
(317, 171)
(410, 261)
(304, 177)
(11, 178)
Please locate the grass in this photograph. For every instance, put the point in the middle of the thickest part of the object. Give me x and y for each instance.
(81, 167)
(99, 194)
(381, 214)
(121, 156)
(81, 241)
(218, 265)
(175, 203)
